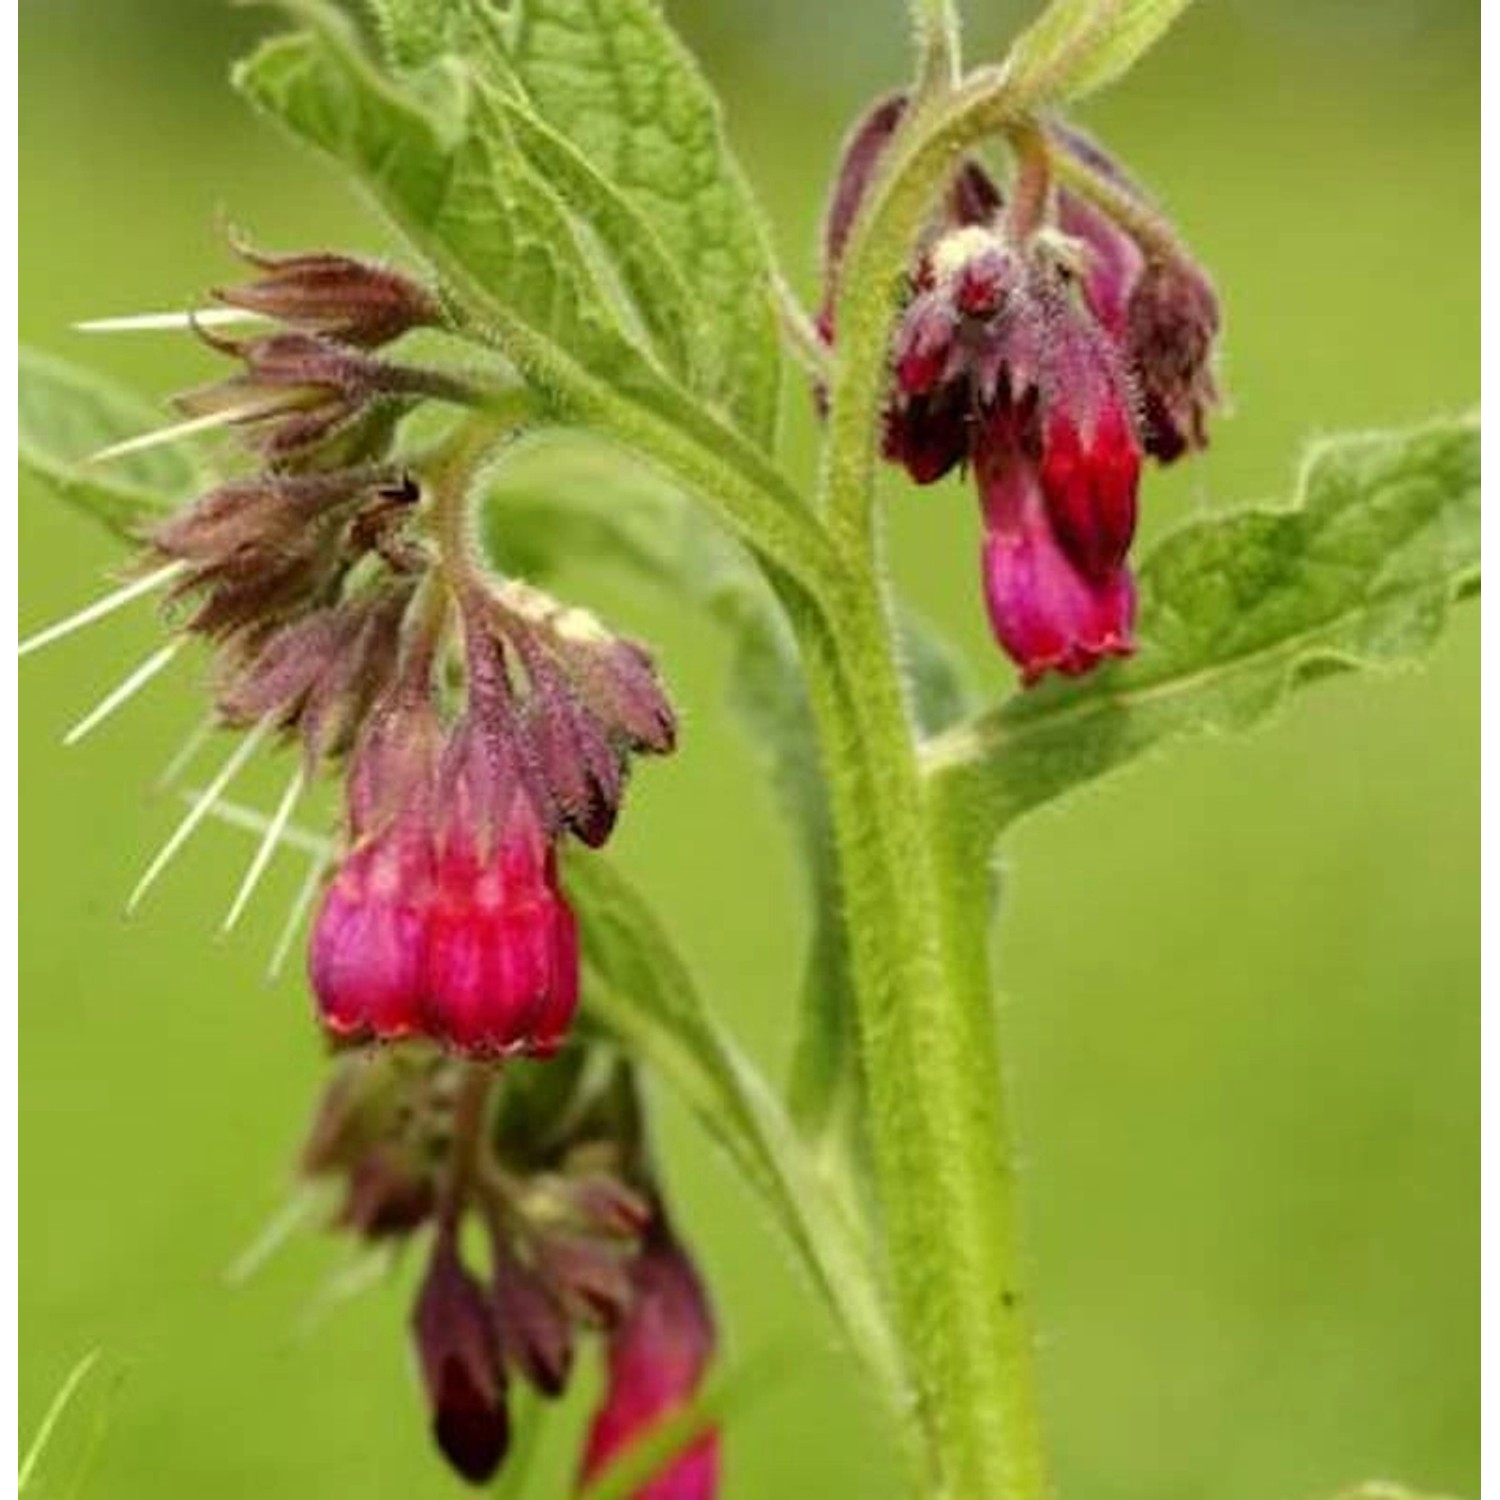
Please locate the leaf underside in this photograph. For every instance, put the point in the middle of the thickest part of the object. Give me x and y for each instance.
(66, 414)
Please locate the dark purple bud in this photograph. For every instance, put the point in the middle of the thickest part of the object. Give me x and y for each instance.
(1152, 296)
(535, 1332)
(1173, 326)
(591, 1277)
(1112, 262)
(606, 1205)
(462, 1371)
(583, 771)
(390, 1194)
(301, 392)
(322, 674)
(335, 296)
(353, 1114)
(859, 158)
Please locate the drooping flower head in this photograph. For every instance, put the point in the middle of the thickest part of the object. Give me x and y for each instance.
(1050, 354)
(477, 721)
(553, 1171)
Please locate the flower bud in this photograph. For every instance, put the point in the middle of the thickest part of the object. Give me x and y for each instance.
(390, 1193)
(658, 1357)
(334, 296)
(536, 1334)
(459, 1354)
(296, 389)
(1153, 298)
(1174, 323)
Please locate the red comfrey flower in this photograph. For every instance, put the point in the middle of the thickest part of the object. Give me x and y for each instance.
(446, 919)
(1051, 351)
(502, 944)
(367, 959)
(997, 362)
(658, 1356)
(1048, 612)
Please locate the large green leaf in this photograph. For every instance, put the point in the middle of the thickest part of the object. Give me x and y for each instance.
(612, 77)
(66, 415)
(435, 149)
(1238, 610)
(1077, 46)
(451, 178)
(655, 287)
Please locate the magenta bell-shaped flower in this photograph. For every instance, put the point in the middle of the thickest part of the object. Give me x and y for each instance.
(658, 1356)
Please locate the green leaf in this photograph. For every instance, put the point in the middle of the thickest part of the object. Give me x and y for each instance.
(1077, 46)
(612, 77)
(413, 32)
(641, 991)
(443, 165)
(66, 415)
(454, 182)
(656, 289)
(1238, 610)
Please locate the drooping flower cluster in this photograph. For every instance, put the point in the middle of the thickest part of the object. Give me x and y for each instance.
(477, 720)
(552, 1167)
(1051, 350)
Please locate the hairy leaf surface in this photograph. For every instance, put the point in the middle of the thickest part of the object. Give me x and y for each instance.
(1077, 46)
(1238, 610)
(612, 77)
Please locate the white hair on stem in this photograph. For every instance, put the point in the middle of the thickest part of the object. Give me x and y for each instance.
(100, 608)
(270, 840)
(120, 695)
(174, 432)
(199, 810)
(171, 322)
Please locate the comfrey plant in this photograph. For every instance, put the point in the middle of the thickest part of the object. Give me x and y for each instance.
(589, 275)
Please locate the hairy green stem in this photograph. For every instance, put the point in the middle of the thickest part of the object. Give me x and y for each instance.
(916, 921)
(937, 29)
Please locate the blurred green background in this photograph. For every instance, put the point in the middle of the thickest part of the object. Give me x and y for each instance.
(1241, 980)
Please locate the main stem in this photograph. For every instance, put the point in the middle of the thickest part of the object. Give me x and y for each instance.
(918, 909)
(944, 1177)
